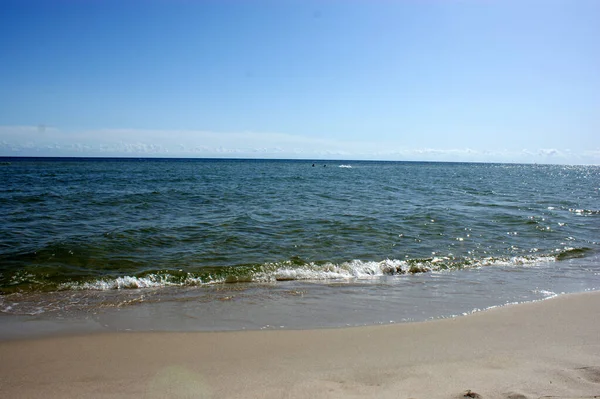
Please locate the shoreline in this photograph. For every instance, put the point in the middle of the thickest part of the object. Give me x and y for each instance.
(529, 350)
(30, 327)
(295, 305)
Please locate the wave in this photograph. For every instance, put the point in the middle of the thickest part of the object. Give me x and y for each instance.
(572, 253)
(45, 280)
(291, 271)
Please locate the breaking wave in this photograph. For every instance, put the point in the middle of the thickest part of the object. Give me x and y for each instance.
(290, 271)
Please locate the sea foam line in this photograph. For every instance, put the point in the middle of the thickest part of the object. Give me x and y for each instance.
(286, 271)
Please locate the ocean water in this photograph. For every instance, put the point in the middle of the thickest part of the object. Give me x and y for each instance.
(204, 244)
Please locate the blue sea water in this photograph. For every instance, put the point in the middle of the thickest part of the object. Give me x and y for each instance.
(233, 244)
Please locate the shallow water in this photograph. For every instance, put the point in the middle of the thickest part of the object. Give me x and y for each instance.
(234, 244)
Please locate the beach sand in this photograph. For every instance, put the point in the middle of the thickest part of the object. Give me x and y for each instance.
(548, 349)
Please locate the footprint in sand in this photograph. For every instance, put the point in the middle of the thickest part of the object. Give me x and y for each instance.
(591, 374)
(470, 394)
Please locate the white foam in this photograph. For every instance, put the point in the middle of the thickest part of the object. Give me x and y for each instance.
(149, 281)
(354, 269)
(545, 293)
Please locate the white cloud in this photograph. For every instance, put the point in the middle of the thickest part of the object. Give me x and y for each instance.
(549, 152)
(592, 153)
(33, 141)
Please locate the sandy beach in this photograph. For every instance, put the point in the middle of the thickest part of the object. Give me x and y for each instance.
(548, 349)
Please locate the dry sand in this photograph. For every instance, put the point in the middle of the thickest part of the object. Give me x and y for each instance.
(549, 349)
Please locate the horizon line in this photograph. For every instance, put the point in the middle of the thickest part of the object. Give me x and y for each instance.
(133, 158)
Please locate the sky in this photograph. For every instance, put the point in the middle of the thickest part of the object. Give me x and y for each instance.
(424, 80)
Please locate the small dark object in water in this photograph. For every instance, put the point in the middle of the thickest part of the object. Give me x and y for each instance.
(471, 394)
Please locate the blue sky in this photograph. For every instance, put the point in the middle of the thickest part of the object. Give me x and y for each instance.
(447, 80)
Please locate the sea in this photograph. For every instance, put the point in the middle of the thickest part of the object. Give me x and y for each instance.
(115, 244)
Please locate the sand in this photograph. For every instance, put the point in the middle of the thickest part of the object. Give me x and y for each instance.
(548, 349)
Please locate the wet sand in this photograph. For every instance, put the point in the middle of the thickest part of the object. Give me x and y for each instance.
(548, 349)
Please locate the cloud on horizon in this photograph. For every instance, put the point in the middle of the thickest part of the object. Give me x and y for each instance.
(50, 141)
